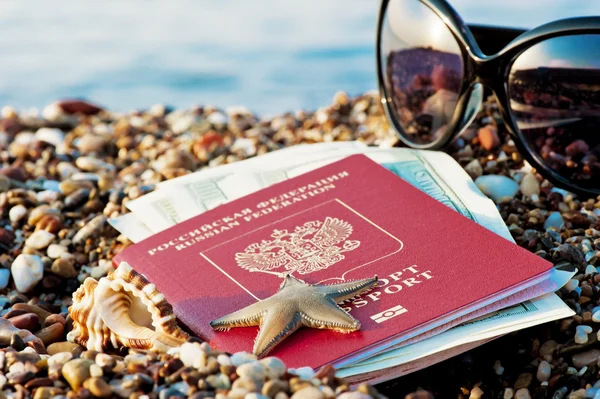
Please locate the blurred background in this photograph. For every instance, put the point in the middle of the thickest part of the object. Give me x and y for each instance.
(271, 56)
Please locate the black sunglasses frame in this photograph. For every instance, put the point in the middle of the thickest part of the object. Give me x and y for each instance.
(491, 71)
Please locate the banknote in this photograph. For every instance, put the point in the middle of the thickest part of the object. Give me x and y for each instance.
(130, 226)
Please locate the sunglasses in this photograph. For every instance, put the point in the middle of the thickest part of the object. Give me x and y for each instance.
(432, 74)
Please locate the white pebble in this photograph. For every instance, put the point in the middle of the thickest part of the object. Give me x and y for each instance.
(17, 213)
(522, 393)
(55, 251)
(66, 170)
(530, 185)
(497, 187)
(572, 284)
(27, 271)
(46, 196)
(50, 135)
(217, 118)
(275, 368)
(253, 370)
(192, 355)
(306, 373)
(4, 277)
(581, 334)
(582, 371)
(508, 393)
(39, 239)
(224, 360)
(239, 358)
(543, 371)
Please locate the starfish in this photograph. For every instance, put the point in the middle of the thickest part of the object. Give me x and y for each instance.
(297, 304)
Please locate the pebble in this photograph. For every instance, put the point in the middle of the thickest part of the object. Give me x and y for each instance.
(63, 346)
(27, 271)
(274, 367)
(64, 268)
(91, 143)
(192, 355)
(55, 251)
(98, 387)
(530, 185)
(51, 334)
(360, 395)
(17, 213)
(554, 219)
(253, 370)
(476, 393)
(523, 381)
(40, 239)
(474, 169)
(581, 334)
(90, 228)
(239, 358)
(522, 393)
(497, 187)
(4, 278)
(586, 358)
(27, 321)
(308, 393)
(53, 136)
(488, 137)
(543, 371)
(509, 393)
(76, 371)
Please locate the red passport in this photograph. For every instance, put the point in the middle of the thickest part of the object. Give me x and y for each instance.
(346, 221)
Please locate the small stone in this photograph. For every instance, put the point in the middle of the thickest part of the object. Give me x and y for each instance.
(27, 308)
(581, 334)
(17, 213)
(55, 251)
(90, 228)
(586, 358)
(64, 346)
(254, 370)
(17, 342)
(308, 393)
(53, 136)
(530, 185)
(98, 387)
(274, 367)
(509, 393)
(522, 393)
(39, 239)
(64, 268)
(523, 381)
(239, 358)
(554, 219)
(476, 393)
(192, 355)
(27, 321)
(474, 169)
(27, 271)
(76, 371)
(47, 393)
(271, 387)
(543, 371)
(360, 395)
(52, 333)
(4, 278)
(547, 349)
(488, 137)
(247, 384)
(91, 143)
(497, 187)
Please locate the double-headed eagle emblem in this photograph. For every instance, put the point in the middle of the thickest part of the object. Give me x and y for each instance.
(309, 248)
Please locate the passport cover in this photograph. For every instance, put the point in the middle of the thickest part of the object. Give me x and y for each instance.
(349, 220)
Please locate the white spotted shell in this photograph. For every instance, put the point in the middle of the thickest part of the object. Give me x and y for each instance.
(123, 309)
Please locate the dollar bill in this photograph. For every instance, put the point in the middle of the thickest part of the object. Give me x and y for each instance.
(130, 226)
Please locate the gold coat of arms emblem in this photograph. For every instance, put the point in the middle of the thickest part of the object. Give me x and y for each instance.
(313, 246)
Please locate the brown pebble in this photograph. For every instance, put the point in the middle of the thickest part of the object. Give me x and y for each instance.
(64, 268)
(51, 223)
(27, 321)
(419, 395)
(53, 319)
(98, 387)
(39, 382)
(41, 313)
(78, 107)
(46, 392)
(488, 137)
(12, 313)
(272, 387)
(64, 346)
(51, 334)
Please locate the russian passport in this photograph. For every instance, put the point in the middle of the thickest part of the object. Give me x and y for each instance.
(348, 220)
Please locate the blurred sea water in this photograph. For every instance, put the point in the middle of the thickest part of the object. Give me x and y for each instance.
(269, 55)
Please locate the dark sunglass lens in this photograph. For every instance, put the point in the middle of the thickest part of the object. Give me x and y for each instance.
(554, 90)
(422, 69)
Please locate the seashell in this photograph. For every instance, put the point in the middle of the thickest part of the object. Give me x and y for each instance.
(130, 312)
